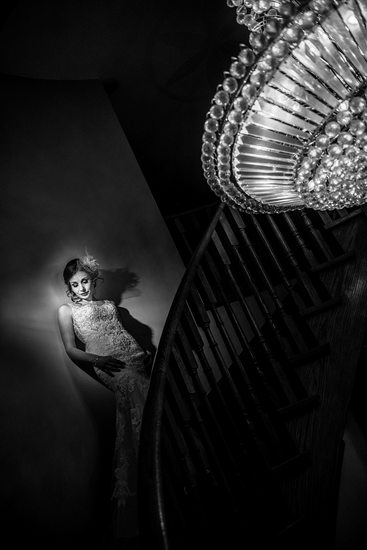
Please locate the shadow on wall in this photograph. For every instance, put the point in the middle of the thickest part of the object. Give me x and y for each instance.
(119, 284)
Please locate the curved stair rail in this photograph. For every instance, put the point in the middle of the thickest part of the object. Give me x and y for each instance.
(152, 511)
(249, 386)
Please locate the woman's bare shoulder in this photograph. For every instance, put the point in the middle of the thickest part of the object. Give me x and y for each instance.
(64, 310)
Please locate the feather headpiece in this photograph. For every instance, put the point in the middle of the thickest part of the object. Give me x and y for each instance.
(89, 262)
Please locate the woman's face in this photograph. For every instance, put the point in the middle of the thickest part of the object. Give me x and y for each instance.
(81, 284)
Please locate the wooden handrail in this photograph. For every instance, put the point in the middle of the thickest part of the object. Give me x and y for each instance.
(152, 523)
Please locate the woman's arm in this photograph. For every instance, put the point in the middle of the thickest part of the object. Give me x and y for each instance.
(105, 363)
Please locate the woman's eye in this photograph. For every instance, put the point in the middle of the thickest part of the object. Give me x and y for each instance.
(84, 281)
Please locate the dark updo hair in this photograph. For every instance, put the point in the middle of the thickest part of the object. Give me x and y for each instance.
(87, 264)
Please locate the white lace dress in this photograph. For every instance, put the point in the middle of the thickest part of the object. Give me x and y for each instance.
(98, 326)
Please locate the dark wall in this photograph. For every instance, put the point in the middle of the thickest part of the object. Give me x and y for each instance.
(165, 59)
(70, 183)
(65, 39)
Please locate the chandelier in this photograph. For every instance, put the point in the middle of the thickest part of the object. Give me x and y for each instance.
(287, 127)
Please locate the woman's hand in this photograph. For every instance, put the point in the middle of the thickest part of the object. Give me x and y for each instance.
(108, 364)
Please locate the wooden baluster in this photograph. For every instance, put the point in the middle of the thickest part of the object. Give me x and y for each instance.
(316, 239)
(185, 421)
(239, 222)
(198, 308)
(308, 255)
(226, 414)
(189, 362)
(258, 371)
(306, 291)
(254, 368)
(306, 331)
(231, 480)
(274, 372)
(237, 326)
(263, 368)
(238, 402)
(265, 425)
(318, 294)
(281, 460)
(229, 240)
(192, 399)
(238, 227)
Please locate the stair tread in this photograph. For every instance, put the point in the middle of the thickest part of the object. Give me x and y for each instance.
(323, 306)
(333, 262)
(310, 355)
(298, 462)
(343, 219)
(300, 407)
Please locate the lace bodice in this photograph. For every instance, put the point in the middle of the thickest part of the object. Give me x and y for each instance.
(98, 326)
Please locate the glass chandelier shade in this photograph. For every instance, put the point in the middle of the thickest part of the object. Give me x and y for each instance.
(287, 128)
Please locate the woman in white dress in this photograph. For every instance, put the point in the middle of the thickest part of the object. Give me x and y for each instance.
(116, 359)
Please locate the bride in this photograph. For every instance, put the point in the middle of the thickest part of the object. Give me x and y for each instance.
(117, 360)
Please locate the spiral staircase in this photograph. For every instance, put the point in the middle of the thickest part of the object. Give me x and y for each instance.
(242, 435)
